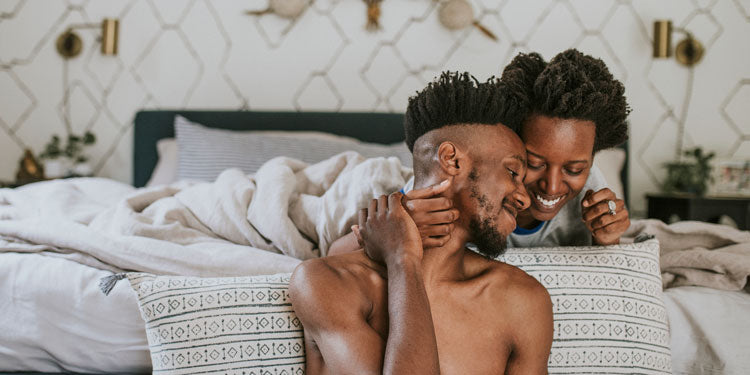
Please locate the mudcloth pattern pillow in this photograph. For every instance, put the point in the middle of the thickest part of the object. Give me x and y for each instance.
(607, 304)
(235, 325)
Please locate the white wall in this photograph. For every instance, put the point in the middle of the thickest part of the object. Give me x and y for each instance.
(208, 54)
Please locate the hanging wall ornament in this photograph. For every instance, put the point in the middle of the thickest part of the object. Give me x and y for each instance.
(282, 8)
(459, 14)
(373, 15)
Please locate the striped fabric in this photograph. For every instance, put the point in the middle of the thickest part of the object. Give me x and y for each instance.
(205, 152)
(235, 326)
(607, 304)
(609, 315)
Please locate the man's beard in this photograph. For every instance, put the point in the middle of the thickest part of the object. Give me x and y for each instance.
(490, 242)
(483, 226)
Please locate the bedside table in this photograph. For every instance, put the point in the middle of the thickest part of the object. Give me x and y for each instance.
(691, 207)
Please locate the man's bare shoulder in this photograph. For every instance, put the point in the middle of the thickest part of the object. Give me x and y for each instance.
(336, 269)
(318, 285)
(507, 282)
(524, 304)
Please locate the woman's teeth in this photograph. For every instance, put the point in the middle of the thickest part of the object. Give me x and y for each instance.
(547, 203)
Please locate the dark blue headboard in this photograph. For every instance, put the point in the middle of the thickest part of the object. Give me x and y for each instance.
(151, 126)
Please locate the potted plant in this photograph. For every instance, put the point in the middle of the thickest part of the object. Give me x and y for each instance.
(69, 160)
(691, 175)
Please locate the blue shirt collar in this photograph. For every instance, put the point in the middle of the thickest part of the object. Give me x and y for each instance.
(524, 231)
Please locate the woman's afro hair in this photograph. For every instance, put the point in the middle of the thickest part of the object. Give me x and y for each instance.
(571, 86)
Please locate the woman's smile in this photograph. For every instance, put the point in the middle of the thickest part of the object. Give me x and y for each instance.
(548, 204)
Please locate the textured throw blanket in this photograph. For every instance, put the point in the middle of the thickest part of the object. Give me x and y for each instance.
(237, 225)
(698, 253)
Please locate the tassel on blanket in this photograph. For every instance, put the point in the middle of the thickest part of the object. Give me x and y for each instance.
(643, 237)
(107, 283)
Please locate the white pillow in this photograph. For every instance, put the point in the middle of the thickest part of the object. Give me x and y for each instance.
(609, 315)
(217, 325)
(165, 171)
(205, 152)
(607, 303)
(611, 162)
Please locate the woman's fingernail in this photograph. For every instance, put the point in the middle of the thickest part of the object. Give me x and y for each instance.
(445, 182)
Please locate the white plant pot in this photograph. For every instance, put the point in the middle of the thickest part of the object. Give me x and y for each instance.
(83, 170)
(56, 168)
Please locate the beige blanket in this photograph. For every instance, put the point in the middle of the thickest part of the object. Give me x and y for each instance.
(698, 253)
(237, 225)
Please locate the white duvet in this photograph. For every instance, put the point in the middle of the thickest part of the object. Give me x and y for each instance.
(59, 238)
(237, 225)
(709, 330)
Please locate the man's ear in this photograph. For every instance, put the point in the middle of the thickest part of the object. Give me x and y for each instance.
(452, 160)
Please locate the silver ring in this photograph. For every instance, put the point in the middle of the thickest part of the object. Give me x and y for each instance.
(612, 206)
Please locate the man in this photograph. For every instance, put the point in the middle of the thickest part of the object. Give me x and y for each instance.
(398, 308)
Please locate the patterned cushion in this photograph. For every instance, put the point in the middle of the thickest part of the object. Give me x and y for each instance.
(235, 325)
(607, 304)
(203, 153)
(608, 309)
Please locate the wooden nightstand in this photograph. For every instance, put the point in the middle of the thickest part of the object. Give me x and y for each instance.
(692, 207)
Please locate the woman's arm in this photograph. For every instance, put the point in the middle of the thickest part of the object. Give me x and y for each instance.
(345, 244)
(433, 215)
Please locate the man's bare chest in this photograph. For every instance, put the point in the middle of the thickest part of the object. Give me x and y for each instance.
(472, 337)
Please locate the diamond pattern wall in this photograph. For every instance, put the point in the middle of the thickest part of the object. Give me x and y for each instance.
(209, 54)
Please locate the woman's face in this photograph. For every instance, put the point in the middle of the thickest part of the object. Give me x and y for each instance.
(560, 155)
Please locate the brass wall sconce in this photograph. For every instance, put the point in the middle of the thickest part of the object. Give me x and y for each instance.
(688, 52)
(69, 44)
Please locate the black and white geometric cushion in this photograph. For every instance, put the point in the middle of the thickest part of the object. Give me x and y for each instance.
(607, 303)
(235, 325)
(609, 317)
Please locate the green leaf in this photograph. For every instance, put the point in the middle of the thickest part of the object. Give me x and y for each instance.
(89, 138)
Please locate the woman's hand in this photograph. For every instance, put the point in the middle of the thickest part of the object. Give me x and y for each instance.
(606, 225)
(433, 215)
(386, 231)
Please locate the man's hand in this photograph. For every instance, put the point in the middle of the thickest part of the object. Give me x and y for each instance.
(387, 232)
(434, 215)
(606, 228)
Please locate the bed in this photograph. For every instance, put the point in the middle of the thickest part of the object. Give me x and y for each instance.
(55, 318)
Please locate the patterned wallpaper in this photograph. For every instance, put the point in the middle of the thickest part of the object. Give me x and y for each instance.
(209, 54)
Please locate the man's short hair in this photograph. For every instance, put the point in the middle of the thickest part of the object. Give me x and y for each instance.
(458, 98)
(571, 86)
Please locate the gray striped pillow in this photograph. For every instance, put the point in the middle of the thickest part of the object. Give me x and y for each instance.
(203, 153)
(232, 325)
(607, 302)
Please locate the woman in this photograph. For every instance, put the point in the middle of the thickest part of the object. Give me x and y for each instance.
(575, 108)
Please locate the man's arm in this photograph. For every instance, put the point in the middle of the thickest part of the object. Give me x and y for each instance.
(411, 347)
(390, 237)
(345, 244)
(533, 338)
(333, 311)
(333, 306)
